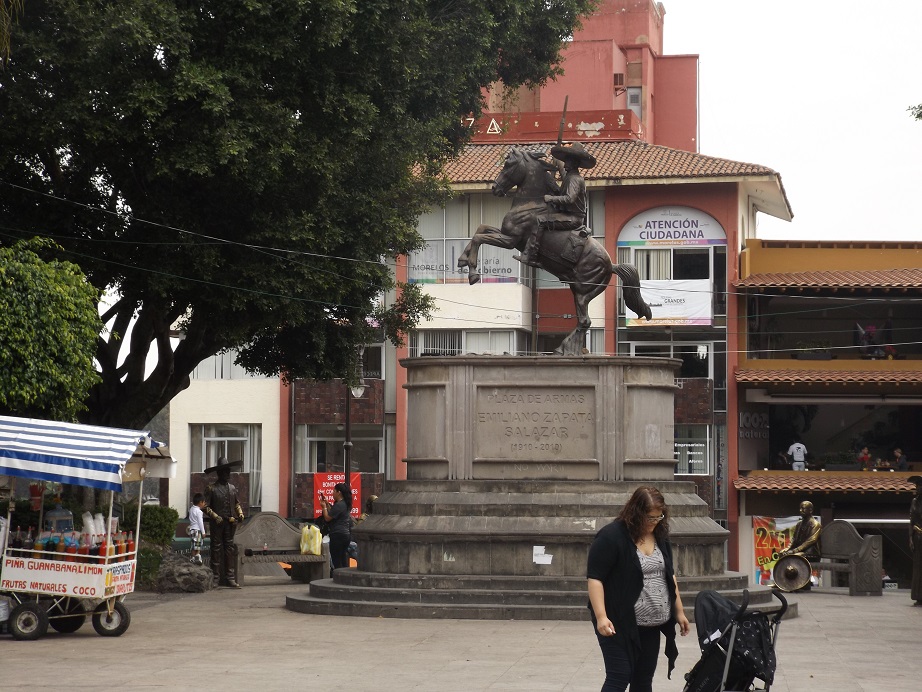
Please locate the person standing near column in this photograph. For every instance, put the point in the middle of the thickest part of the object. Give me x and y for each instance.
(339, 519)
(915, 540)
(224, 515)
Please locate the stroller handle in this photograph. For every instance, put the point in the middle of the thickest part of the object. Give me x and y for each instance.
(778, 614)
(745, 604)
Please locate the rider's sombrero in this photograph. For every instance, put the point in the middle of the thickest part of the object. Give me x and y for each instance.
(223, 463)
(576, 152)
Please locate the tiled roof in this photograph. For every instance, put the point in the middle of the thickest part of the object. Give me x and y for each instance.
(826, 481)
(480, 163)
(829, 376)
(885, 278)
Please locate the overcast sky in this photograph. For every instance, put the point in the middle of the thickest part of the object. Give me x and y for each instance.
(817, 91)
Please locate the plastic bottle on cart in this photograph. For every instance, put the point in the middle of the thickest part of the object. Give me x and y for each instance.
(103, 550)
(53, 546)
(27, 544)
(16, 542)
(120, 544)
(38, 547)
(129, 545)
(83, 548)
(71, 547)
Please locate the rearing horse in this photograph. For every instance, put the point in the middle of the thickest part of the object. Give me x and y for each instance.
(579, 261)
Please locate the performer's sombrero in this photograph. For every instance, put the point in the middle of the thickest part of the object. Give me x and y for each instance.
(223, 463)
(916, 479)
(576, 152)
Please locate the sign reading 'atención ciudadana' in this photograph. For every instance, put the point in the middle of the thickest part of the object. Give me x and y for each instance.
(672, 226)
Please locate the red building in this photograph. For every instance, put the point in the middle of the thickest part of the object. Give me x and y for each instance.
(679, 216)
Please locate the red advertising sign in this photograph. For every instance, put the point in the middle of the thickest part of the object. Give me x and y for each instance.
(324, 482)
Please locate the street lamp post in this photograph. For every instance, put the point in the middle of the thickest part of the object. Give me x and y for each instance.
(352, 392)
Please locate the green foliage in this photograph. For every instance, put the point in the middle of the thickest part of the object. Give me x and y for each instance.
(158, 524)
(149, 560)
(48, 329)
(9, 11)
(916, 111)
(23, 515)
(247, 170)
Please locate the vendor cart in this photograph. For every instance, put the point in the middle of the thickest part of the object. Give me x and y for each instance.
(53, 583)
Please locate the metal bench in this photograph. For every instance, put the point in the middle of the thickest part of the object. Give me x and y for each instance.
(844, 551)
(267, 537)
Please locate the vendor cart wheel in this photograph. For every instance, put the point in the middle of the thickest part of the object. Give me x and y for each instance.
(28, 621)
(67, 617)
(113, 625)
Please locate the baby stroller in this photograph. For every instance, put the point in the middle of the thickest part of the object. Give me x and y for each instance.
(749, 636)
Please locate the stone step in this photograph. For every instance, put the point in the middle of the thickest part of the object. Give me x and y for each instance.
(541, 487)
(327, 589)
(357, 593)
(726, 582)
(355, 577)
(522, 498)
(463, 611)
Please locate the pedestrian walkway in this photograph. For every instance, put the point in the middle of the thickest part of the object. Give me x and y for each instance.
(245, 639)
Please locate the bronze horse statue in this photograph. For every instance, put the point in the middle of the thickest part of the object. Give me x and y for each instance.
(575, 258)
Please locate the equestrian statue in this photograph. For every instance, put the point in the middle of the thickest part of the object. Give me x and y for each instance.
(547, 224)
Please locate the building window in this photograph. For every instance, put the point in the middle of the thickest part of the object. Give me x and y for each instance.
(233, 442)
(373, 362)
(634, 101)
(720, 375)
(680, 264)
(453, 342)
(435, 342)
(692, 450)
(447, 232)
(699, 360)
(319, 449)
(594, 341)
(222, 367)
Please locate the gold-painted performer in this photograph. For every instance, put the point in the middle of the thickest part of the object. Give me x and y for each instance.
(806, 538)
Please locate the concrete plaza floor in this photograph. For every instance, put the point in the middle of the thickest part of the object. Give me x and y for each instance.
(245, 639)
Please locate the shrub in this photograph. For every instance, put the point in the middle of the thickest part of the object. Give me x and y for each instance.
(158, 524)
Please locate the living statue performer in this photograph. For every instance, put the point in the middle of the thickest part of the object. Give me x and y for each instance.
(915, 540)
(224, 515)
(806, 538)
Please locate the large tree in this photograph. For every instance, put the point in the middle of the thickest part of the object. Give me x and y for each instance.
(9, 9)
(48, 328)
(246, 171)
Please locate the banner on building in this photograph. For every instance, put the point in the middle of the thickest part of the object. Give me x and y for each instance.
(686, 301)
(771, 535)
(324, 483)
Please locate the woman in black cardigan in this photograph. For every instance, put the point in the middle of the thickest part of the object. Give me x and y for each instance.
(633, 593)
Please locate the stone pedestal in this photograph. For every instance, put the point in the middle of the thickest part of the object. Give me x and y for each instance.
(513, 465)
(540, 418)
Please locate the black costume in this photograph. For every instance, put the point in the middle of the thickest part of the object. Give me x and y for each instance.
(915, 541)
(224, 514)
(613, 561)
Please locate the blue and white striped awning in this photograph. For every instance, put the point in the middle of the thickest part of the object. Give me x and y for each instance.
(87, 455)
